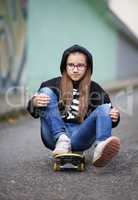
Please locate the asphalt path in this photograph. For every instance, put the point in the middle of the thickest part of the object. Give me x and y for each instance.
(26, 166)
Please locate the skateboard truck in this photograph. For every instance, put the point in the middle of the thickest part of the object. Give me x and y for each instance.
(69, 161)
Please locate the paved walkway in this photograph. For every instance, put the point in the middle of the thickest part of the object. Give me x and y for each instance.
(25, 164)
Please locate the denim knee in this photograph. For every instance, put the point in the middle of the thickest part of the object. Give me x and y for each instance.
(50, 93)
(104, 109)
(47, 91)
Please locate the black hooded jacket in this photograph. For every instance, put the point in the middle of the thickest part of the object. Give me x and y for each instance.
(97, 94)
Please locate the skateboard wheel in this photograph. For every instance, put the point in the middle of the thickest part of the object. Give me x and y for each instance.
(56, 167)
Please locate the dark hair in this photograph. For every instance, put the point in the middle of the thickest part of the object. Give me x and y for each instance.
(66, 84)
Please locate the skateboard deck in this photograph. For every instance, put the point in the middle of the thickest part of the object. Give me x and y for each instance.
(69, 161)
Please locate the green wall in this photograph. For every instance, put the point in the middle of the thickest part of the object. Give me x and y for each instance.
(55, 25)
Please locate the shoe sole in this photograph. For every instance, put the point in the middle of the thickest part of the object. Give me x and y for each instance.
(110, 150)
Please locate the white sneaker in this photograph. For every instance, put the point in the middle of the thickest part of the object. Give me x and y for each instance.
(63, 145)
(105, 151)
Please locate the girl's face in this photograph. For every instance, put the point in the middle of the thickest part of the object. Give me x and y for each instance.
(76, 66)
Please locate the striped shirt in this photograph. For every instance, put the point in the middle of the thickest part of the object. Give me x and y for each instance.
(71, 115)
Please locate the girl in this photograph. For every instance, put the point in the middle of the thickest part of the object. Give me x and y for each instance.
(76, 112)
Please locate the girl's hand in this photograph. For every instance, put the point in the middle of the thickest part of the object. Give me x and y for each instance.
(114, 113)
(41, 100)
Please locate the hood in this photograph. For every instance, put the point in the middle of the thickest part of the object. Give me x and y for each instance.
(72, 49)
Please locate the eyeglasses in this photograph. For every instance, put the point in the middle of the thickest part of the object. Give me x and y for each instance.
(80, 66)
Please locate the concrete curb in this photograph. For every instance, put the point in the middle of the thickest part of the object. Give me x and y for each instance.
(115, 86)
(12, 106)
(8, 110)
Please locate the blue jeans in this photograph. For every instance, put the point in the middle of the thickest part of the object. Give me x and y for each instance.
(96, 127)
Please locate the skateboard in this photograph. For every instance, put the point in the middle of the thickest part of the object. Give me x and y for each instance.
(69, 161)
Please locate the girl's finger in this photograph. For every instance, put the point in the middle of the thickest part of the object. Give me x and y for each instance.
(114, 120)
(43, 98)
(114, 114)
(43, 102)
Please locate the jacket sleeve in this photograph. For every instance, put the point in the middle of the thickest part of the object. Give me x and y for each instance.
(114, 124)
(34, 111)
(104, 98)
(54, 85)
(107, 100)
